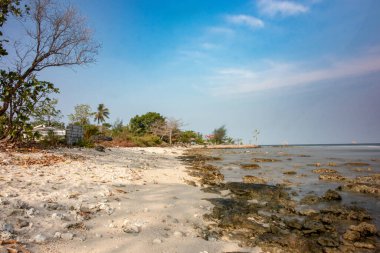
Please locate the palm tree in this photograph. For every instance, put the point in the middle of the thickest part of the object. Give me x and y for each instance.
(102, 114)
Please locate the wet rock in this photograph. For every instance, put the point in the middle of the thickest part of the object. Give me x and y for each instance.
(364, 245)
(357, 164)
(364, 228)
(323, 171)
(308, 212)
(294, 224)
(328, 241)
(362, 188)
(290, 172)
(332, 177)
(264, 160)
(310, 199)
(40, 238)
(67, 236)
(331, 195)
(351, 235)
(250, 166)
(253, 180)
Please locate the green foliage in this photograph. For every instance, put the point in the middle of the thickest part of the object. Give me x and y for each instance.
(219, 135)
(102, 113)
(140, 125)
(46, 113)
(117, 127)
(89, 131)
(22, 103)
(51, 140)
(191, 136)
(147, 140)
(81, 115)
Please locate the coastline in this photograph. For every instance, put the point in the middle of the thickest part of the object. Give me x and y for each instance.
(123, 200)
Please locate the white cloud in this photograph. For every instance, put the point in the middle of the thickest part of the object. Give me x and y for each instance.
(220, 30)
(278, 7)
(273, 75)
(250, 21)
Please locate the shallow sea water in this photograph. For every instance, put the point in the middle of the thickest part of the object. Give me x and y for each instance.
(303, 160)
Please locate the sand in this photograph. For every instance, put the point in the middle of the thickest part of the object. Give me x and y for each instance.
(121, 200)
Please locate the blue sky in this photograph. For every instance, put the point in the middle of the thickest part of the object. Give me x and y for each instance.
(300, 71)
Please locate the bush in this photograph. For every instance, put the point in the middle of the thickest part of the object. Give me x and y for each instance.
(146, 140)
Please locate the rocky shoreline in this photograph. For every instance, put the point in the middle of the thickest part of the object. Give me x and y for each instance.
(254, 213)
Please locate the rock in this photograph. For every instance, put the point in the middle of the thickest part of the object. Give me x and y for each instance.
(308, 212)
(290, 172)
(157, 241)
(3, 250)
(4, 201)
(131, 229)
(332, 177)
(67, 236)
(39, 239)
(331, 195)
(364, 228)
(8, 228)
(30, 212)
(57, 235)
(100, 148)
(98, 235)
(351, 235)
(57, 216)
(324, 171)
(178, 234)
(5, 235)
(310, 199)
(364, 245)
(22, 223)
(19, 204)
(250, 166)
(253, 180)
(328, 242)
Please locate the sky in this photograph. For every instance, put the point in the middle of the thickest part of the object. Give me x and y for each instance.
(299, 71)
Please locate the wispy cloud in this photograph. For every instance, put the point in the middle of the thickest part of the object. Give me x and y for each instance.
(220, 30)
(284, 8)
(246, 20)
(282, 74)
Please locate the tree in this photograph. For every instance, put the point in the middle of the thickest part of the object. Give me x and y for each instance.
(81, 115)
(58, 37)
(7, 7)
(219, 135)
(256, 134)
(191, 136)
(167, 128)
(141, 125)
(22, 107)
(46, 113)
(101, 114)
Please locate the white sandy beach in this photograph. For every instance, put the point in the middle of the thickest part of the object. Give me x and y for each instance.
(123, 200)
